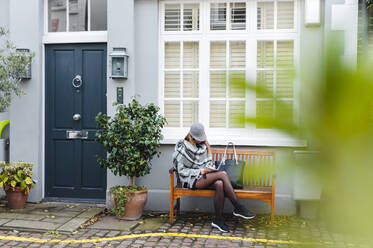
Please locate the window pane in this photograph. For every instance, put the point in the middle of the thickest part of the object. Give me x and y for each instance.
(172, 55)
(57, 15)
(284, 110)
(191, 54)
(171, 84)
(264, 79)
(190, 113)
(217, 113)
(236, 114)
(237, 84)
(238, 16)
(172, 113)
(172, 17)
(285, 15)
(265, 15)
(218, 54)
(237, 56)
(284, 84)
(191, 17)
(285, 53)
(190, 84)
(218, 84)
(265, 54)
(78, 15)
(218, 16)
(98, 15)
(264, 111)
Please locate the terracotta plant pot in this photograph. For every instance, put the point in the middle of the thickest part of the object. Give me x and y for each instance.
(17, 198)
(134, 207)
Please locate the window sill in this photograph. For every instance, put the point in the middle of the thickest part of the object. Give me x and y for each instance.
(222, 137)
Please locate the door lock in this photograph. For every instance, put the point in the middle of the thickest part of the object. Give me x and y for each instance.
(76, 117)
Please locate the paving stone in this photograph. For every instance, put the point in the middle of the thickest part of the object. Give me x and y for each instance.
(3, 221)
(37, 225)
(113, 223)
(19, 216)
(89, 213)
(64, 214)
(151, 224)
(56, 219)
(71, 225)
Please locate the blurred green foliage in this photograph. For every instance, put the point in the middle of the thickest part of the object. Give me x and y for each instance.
(336, 119)
(13, 63)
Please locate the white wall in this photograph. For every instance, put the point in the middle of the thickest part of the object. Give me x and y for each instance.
(26, 139)
(120, 34)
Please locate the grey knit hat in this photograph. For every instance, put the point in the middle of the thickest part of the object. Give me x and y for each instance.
(198, 131)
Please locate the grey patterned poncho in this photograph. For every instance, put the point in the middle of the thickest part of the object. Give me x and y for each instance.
(189, 160)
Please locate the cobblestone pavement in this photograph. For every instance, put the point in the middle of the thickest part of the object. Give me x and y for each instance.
(284, 229)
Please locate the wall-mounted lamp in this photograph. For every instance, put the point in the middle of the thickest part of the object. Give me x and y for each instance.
(27, 73)
(312, 11)
(119, 63)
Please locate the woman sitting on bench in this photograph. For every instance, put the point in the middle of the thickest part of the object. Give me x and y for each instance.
(191, 159)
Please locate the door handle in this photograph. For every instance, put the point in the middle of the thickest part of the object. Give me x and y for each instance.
(77, 82)
(76, 134)
(76, 117)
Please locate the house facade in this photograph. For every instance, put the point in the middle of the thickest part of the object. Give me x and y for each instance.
(182, 57)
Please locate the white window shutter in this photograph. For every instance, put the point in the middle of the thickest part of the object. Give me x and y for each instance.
(285, 15)
(190, 55)
(190, 84)
(238, 16)
(217, 114)
(236, 114)
(265, 52)
(237, 54)
(218, 50)
(218, 16)
(218, 84)
(190, 113)
(265, 15)
(172, 17)
(172, 113)
(171, 84)
(285, 54)
(191, 17)
(172, 55)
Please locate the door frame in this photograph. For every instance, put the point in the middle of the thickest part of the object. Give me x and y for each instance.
(44, 119)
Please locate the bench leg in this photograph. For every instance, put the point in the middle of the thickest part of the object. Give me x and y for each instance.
(272, 211)
(171, 208)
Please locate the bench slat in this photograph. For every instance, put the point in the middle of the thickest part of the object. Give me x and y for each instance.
(209, 193)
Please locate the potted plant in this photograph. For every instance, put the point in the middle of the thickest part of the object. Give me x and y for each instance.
(13, 63)
(16, 178)
(131, 138)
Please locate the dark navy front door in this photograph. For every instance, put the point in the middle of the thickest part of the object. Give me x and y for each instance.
(75, 92)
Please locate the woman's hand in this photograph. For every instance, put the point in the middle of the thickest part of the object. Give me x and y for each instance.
(205, 171)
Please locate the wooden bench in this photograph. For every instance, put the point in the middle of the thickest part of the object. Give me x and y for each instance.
(258, 179)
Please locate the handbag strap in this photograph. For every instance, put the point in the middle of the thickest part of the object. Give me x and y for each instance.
(225, 153)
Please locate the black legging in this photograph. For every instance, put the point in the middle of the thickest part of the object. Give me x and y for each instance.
(223, 188)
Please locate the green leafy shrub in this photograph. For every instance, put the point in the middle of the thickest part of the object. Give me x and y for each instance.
(131, 137)
(17, 174)
(12, 64)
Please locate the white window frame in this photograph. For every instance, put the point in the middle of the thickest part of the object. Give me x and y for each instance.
(74, 36)
(250, 135)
